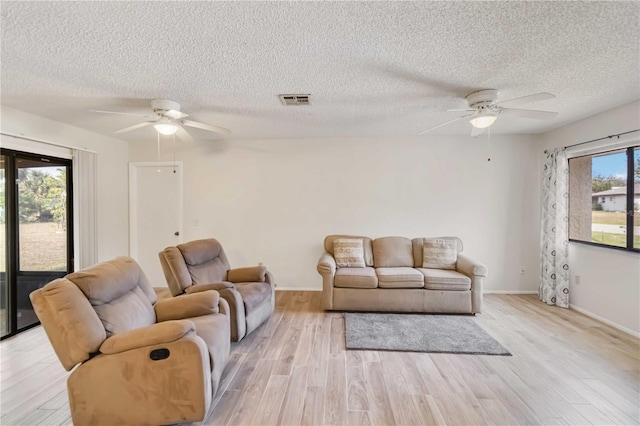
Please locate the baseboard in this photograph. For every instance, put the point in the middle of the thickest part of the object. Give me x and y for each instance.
(509, 292)
(278, 288)
(604, 320)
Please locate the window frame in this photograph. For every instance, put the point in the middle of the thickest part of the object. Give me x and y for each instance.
(630, 213)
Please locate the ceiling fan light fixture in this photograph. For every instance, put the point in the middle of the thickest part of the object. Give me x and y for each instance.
(166, 127)
(483, 119)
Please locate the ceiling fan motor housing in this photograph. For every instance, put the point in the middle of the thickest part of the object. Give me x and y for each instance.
(482, 98)
(160, 106)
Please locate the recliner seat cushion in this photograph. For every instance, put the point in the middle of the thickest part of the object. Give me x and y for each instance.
(356, 278)
(444, 279)
(402, 277)
(254, 294)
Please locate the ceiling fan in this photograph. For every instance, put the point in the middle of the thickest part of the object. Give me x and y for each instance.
(484, 110)
(168, 120)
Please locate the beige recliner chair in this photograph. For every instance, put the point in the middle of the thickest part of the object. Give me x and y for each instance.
(202, 265)
(142, 361)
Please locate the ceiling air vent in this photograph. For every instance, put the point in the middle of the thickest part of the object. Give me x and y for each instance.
(294, 99)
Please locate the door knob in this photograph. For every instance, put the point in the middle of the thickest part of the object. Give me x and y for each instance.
(176, 233)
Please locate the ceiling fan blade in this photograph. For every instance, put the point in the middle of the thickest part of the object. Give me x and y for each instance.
(475, 131)
(204, 126)
(176, 115)
(184, 135)
(528, 113)
(123, 113)
(542, 96)
(443, 124)
(135, 127)
(460, 109)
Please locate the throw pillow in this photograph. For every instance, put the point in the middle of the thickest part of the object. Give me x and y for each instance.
(439, 253)
(348, 252)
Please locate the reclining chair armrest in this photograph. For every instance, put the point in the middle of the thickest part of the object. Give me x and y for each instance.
(165, 332)
(187, 306)
(197, 288)
(327, 268)
(234, 309)
(223, 307)
(470, 267)
(269, 279)
(249, 274)
(326, 264)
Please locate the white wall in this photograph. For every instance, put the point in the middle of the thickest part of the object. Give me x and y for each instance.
(610, 279)
(274, 201)
(113, 198)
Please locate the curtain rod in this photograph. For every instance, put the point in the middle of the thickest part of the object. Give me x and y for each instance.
(599, 139)
(47, 142)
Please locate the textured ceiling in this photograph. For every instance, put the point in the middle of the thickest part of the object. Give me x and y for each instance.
(372, 68)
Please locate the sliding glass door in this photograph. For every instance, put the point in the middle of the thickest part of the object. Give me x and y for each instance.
(5, 311)
(38, 231)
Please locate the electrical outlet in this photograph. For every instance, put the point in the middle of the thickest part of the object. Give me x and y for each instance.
(577, 279)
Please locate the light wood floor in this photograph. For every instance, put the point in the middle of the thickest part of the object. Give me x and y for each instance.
(566, 369)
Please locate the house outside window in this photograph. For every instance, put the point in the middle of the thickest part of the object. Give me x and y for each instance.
(604, 199)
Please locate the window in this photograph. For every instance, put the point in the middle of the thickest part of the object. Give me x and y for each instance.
(604, 199)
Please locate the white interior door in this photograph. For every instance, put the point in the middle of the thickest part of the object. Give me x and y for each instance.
(155, 214)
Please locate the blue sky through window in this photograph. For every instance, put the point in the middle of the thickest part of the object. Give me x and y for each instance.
(610, 165)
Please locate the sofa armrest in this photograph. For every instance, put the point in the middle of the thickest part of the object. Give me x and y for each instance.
(198, 288)
(327, 268)
(187, 306)
(155, 334)
(326, 264)
(249, 274)
(470, 267)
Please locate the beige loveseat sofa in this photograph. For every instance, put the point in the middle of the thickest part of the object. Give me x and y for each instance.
(392, 277)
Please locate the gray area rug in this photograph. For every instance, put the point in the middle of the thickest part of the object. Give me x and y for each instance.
(419, 333)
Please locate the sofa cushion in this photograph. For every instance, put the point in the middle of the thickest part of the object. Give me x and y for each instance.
(439, 253)
(391, 252)
(418, 255)
(443, 279)
(356, 278)
(348, 252)
(402, 277)
(366, 243)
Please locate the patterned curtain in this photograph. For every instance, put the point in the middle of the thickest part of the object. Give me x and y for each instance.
(554, 238)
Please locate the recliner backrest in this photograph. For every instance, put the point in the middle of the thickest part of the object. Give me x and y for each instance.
(120, 293)
(79, 311)
(196, 262)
